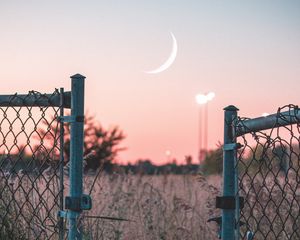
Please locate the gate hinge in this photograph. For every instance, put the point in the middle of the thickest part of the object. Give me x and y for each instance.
(228, 202)
(71, 119)
(78, 203)
(232, 146)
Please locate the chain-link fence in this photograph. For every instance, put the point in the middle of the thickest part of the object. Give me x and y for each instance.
(31, 166)
(268, 167)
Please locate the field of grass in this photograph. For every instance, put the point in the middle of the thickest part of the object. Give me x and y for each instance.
(143, 207)
(147, 207)
(157, 207)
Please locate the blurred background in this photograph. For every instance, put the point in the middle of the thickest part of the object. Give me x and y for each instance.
(246, 52)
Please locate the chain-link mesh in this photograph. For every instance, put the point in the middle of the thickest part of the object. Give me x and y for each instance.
(30, 191)
(269, 178)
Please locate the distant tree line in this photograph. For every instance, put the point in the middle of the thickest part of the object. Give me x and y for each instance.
(103, 145)
(148, 168)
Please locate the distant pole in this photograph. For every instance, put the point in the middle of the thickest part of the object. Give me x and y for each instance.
(203, 99)
(200, 135)
(205, 127)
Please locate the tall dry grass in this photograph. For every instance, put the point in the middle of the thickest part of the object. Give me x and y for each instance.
(28, 206)
(148, 207)
(156, 207)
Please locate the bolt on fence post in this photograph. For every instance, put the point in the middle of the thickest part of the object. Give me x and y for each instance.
(76, 150)
(229, 154)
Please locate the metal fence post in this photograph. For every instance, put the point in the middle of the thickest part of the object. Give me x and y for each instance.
(76, 154)
(229, 152)
(61, 165)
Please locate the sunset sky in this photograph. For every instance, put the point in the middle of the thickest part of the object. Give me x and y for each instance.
(247, 52)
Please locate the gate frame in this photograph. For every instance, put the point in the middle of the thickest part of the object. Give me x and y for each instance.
(229, 177)
(74, 100)
(76, 201)
(76, 156)
(230, 215)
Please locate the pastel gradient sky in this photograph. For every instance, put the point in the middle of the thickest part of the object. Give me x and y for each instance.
(247, 52)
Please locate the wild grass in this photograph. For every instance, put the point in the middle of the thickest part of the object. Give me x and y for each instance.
(28, 207)
(145, 207)
(155, 207)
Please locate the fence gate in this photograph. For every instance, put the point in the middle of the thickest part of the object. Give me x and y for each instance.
(261, 192)
(32, 171)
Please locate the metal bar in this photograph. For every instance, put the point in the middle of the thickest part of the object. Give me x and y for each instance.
(200, 135)
(76, 154)
(61, 165)
(228, 215)
(42, 100)
(205, 128)
(264, 123)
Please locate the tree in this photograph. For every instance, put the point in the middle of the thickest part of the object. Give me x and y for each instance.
(103, 143)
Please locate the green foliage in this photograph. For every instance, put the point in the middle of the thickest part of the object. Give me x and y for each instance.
(259, 158)
(213, 162)
(263, 158)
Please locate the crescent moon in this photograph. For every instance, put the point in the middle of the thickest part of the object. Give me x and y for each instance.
(169, 61)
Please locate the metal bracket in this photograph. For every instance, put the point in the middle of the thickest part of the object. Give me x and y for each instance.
(78, 203)
(228, 202)
(86, 202)
(232, 146)
(66, 214)
(71, 119)
(218, 220)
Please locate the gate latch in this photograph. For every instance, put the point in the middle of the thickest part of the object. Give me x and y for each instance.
(78, 203)
(71, 119)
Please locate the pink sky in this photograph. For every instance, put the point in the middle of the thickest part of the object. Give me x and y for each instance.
(248, 53)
